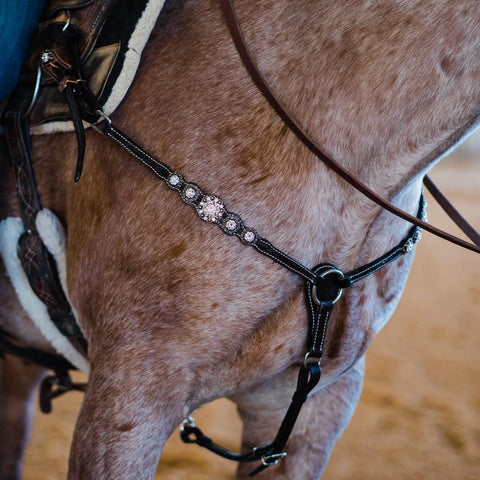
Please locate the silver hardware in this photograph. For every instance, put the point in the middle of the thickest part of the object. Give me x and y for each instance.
(273, 459)
(334, 271)
(174, 179)
(210, 209)
(408, 247)
(249, 236)
(417, 236)
(102, 118)
(231, 225)
(188, 422)
(36, 89)
(190, 193)
(45, 57)
(308, 359)
(67, 23)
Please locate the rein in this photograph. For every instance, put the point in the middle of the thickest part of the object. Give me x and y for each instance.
(324, 283)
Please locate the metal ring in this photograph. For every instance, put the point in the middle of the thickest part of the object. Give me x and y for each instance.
(103, 116)
(309, 359)
(334, 271)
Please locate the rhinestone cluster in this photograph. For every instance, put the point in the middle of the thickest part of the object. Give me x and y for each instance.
(210, 209)
(249, 236)
(231, 224)
(190, 193)
(417, 234)
(174, 180)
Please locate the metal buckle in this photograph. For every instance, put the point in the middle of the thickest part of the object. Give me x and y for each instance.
(334, 271)
(102, 118)
(272, 459)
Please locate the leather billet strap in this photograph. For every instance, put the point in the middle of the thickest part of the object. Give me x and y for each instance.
(287, 117)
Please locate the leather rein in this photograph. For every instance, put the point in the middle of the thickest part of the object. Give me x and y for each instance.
(324, 283)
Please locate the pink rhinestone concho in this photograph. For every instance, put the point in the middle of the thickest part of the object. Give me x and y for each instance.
(211, 209)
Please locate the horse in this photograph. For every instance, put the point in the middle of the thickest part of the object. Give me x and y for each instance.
(177, 315)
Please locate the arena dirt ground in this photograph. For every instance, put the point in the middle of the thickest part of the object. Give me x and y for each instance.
(419, 414)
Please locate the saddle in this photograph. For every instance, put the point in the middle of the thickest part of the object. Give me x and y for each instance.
(91, 47)
(112, 35)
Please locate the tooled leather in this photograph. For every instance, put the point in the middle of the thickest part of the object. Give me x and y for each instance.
(24, 177)
(53, 6)
(88, 17)
(90, 21)
(37, 263)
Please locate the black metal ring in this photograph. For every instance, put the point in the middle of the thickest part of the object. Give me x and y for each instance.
(334, 271)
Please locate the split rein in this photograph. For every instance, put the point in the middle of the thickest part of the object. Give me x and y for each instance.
(324, 283)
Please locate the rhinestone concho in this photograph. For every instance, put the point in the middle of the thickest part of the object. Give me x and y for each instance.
(211, 209)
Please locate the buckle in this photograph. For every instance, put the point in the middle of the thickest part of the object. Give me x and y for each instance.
(272, 459)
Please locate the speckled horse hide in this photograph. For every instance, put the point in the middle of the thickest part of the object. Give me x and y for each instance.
(176, 314)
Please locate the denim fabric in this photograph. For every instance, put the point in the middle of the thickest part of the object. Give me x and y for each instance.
(18, 21)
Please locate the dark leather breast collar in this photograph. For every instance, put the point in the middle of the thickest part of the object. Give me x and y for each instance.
(324, 283)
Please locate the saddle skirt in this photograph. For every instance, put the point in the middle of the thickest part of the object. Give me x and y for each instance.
(114, 34)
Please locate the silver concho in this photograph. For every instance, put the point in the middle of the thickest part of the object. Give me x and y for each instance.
(174, 179)
(45, 57)
(211, 209)
(249, 236)
(231, 224)
(408, 247)
(190, 192)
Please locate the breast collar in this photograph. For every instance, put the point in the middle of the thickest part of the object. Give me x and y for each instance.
(324, 283)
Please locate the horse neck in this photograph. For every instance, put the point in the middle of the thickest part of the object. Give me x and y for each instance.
(381, 87)
(385, 88)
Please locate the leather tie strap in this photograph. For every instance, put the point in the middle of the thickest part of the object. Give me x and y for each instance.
(264, 88)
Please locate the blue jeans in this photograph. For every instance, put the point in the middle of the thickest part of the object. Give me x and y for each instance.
(18, 22)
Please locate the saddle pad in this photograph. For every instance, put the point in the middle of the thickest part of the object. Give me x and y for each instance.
(53, 236)
(110, 68)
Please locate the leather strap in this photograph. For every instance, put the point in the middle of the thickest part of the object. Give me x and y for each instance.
(37, 262)
(38, 357)
(451, 211)
(263, 86)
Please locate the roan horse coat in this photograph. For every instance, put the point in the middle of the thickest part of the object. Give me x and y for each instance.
(176, 314)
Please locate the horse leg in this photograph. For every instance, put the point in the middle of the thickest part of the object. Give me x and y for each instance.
(18, 383)
(131, 406)
(324, 416)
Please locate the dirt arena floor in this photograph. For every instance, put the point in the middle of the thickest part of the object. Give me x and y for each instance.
(419, 414)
